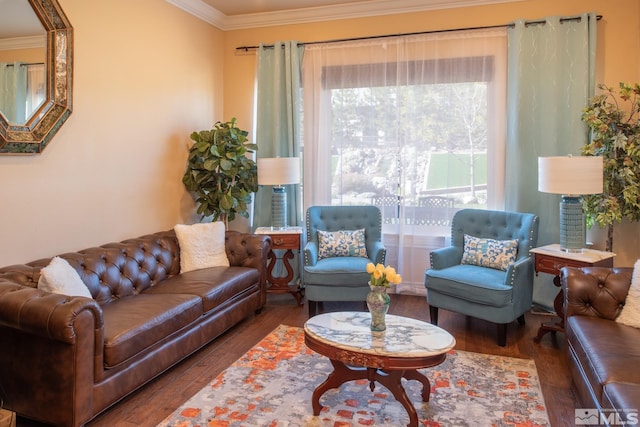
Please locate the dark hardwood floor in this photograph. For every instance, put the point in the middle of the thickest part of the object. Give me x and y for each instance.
(158, 399)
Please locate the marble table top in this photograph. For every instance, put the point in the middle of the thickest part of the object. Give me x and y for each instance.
(585, 255)
(404, 337)
(272, 230)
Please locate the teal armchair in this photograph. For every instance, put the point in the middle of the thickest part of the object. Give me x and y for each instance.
(340, 278)
(492, 294)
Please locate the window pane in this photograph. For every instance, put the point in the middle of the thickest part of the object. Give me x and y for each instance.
(410, 142)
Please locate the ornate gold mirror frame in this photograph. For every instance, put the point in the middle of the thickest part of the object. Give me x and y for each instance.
(37, 132)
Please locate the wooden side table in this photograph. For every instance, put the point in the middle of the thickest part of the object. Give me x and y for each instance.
(287, 239)
(550, 259)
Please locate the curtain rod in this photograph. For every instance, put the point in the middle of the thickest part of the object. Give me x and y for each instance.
(25, 64)
(537, 22)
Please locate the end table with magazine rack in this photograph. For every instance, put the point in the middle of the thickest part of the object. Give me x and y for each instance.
(287, 239)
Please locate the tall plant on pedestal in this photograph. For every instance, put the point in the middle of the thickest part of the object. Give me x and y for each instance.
(220, 175)
(613, 119)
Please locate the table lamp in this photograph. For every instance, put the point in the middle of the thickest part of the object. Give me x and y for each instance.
(571, 177)
(279, 171)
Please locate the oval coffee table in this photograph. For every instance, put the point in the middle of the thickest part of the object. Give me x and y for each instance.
(386, 357)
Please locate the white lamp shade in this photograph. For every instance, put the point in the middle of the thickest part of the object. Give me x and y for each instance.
(279, 171)
(570, 175)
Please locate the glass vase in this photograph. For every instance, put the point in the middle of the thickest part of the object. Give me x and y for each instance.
(378, 304)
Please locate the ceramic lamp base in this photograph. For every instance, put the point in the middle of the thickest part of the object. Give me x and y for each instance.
(572, 226)
(279, 207)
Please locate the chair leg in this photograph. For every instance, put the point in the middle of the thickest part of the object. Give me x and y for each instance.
(433, 312)
(312, 307)
(502, 334)
(521, 320)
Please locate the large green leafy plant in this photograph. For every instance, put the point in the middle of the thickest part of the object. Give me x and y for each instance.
(219, 173)
(613, 119)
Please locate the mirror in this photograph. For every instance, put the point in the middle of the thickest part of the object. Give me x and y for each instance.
(22, 61)
(42, 44)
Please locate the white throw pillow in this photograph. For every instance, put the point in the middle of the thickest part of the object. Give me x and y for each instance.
(201, 245)
(630, 314)
(59, 277)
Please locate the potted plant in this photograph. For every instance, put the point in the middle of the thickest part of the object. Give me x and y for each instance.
(613, 120)
(220, 175)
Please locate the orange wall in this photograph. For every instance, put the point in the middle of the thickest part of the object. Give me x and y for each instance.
(618, 56)
(24, 55)
(144, 80)
(148, 74)
(618, 37)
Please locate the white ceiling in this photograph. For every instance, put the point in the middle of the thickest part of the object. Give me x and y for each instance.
(17, 19)
(239, 14)
(243, 7)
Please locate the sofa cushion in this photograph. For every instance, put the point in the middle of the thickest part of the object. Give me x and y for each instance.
(201, 245)
(134, 323)
(60, 278)
(622, 396)
(215, 286)
(606, 350)
(472, 283)
(343, 271)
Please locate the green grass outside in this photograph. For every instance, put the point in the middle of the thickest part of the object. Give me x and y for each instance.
(453, 170)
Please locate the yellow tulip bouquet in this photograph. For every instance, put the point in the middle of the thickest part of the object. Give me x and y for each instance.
(383, 276)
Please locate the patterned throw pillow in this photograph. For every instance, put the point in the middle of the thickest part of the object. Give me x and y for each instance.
(498, 254)
(341, 243)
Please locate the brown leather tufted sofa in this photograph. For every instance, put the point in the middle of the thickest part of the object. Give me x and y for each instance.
(604, 356)
(65, 359)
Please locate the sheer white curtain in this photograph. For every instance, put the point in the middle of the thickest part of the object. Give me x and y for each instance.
(36, 90)
(13, 91)
(414, 124)
(22, 90)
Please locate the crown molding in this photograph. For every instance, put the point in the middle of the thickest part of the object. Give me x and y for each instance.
(27, 42)
(201, 10)
(320, 13)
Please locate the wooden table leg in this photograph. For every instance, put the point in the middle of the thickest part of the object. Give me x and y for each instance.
(392, 380)
(558, 306)
(426, 385)
(340, 375)
(280, 284)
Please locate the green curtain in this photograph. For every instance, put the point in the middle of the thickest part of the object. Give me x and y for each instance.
(278, 120)
(551, 76)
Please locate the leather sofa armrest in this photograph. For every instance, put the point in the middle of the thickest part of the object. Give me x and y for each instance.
(247, 250)
(52, 352)
(595, 291)
(43, 313)
(250, 250)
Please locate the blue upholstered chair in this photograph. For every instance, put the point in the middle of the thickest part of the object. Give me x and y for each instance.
(340, 278)
(473, 289)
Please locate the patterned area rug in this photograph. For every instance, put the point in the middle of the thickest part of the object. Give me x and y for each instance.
(271, 385)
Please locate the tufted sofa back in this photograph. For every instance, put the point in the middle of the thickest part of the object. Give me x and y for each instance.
(498, 225)
(114, 270)
(335, 218)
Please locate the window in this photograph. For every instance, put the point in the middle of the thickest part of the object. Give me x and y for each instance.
(414, 125)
